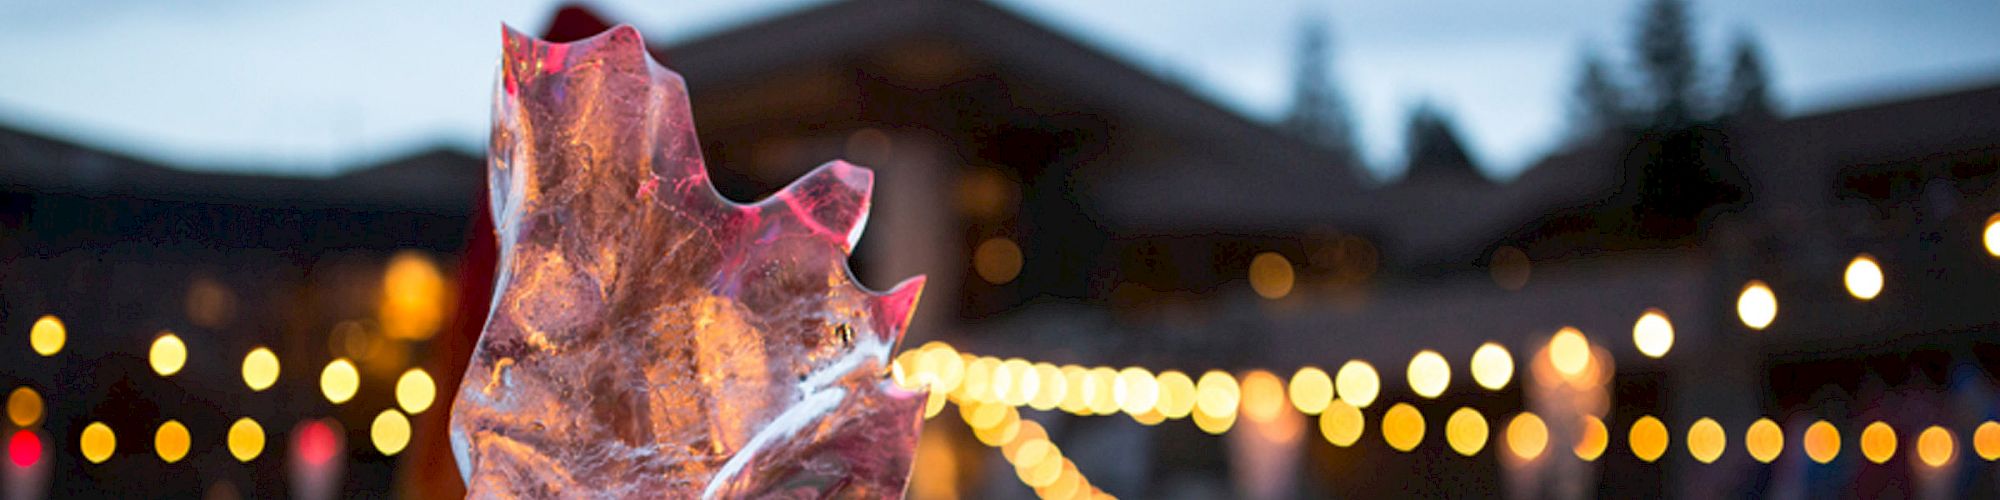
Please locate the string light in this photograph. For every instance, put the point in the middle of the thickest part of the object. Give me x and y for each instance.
(1139, 389)
(1527, 436)
(1311, 390)
(1863, 277)
(390, 432)
(1216, 394)
(1653, 334)
(1935, 446)
(415, 391)
(171, 441)
(1986, 441)
(1357, 383)
(1594, 440)
(48, 335)
(1263, 396)
(246, 439)
(1757, 306)
(1104, 382)
(260, 369)
(1878, 442)
(168, 354)
(1706, 440)
(1764, 440)
(1341, 423)
(1648, 438)
(1822, 442)
(1177, 394)
(1569, 351)
(339, 381)
(1403, 427)
(97, 442)
(1492, 366)
(1465, 431)
(1429, 374)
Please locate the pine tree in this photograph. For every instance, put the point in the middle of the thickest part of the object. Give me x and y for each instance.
(1319, 114)
(1601, 105)
(1748, 94)
(1667, 59)
(1432, 145)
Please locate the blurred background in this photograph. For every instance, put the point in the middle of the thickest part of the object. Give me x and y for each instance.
(1753, 209)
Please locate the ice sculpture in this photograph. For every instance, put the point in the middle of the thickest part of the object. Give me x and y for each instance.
(650, 338)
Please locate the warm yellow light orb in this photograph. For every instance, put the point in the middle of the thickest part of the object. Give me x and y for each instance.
(168, 355)
(1863, 277)
(1878, 442)
(1465, 431)
(977, 384)
(246, 439)
(390, 432)
(1757, 306)
(1935, 446)
(1992, 235)
(1706, 440)
(1263, 396)
(1073, 400)
(1429, 374)
(1527, 436)
(1271, 275)
(1594, 440)
(1177, 394)
(1052, 388)
(1310, 390)
(1986, 441)
(1822, 442)
(260, 369)
(1138, 390)
(1653, 333)
(339, 381)
(1403, 427)
(1213, 424)
(171, 441)
(414, 297)
(1341, 423)
(1569, 351)
(1022, 382)
(415, 391)
(24, 407)
(1105, 381)
(997, 260)
(1357, 384)
(48, 335)
(1648, 438)
(97, 442)
(947, 369)
(1492, 366)
(1764, 440)
(1217, 394)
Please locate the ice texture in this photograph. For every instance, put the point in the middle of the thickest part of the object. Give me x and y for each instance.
(650, 338)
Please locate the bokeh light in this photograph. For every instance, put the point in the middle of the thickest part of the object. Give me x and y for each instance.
(1139, 389)
(1935, 446)
(316, 442)
(1465, 431)
(171, 441)
(1213, 424)
(1263, 396)
(1653, 334)
(1596, 437)
(1216, 394)
(1863, 277)
(1341, 423)
(1648, 438)
(1706, 440)
(48, 335)
(415, 391)
(339, 381)
(1492, 366)
(168, 354)
(1022, 382)
(1986, 441)
(1077, 386)
(1764, 440)
(1527, 436)
(246, 439)
(1050, 390)
(414, 301)
(390, 432)
(1310, 390)
(260, 369)
(1757, 306)
(997, 260)
(1177, 394)
(1569, 351)
(1992, 235)
(1104, 383)
(1357, 383)
(1509, 267)
(1403, 427)
(24, 406)
(1429, 374)
(1271, 275)
(1822, 442)
(97, 442)
(1878, 442)
(24, 448)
